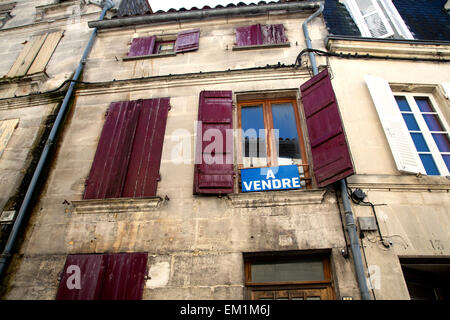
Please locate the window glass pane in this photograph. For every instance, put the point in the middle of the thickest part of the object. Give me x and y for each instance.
(305, 270)
(402, 103)
(375, 25)
(424, 104)
(410, 121)
(420, 143)
(253, 135)
(284, 120)
(365, 6)
(446, 158)
(442, 141)
(312, 298)
(428, 163)
(433, 122)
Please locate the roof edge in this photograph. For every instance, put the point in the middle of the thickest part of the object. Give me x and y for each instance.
(203, 14)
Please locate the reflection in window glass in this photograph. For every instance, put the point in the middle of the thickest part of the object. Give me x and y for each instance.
(424, 104)
(253, 136)
(287, 271)
(284, 123)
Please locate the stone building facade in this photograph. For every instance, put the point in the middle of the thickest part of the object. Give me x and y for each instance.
(199, 235)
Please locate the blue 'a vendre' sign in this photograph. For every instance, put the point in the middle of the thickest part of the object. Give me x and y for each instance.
(271, 178)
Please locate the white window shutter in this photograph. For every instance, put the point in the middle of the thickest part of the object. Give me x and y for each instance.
(396, 19)
(402, 146)
(370, 20)
(446, 87)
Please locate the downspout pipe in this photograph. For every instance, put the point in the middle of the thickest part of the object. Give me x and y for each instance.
(350, 221)
(312, 58)
(4, 257)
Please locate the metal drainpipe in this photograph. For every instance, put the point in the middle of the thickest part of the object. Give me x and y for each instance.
(351, 226)
(4, 257)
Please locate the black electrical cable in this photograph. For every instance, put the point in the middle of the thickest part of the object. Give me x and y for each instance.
(368, 203)
(367, 266)
(268, 66)
(298, 61)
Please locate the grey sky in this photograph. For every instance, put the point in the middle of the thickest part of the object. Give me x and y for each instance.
(176, 4)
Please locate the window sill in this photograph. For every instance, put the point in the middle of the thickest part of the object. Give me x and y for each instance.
(116, 205)
(150, 56)
(262, 46)
(39, 77)
(276, 198)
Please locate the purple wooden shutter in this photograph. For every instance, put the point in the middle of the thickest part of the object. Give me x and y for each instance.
(215, 114)
(273, 34)
(143, 167)
(330, 152)
(124, 276)
(249, 36)
(91, 272)
(142, 46)
(187, 40)
(108, 171)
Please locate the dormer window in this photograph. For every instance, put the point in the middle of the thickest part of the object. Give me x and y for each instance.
(378, 19)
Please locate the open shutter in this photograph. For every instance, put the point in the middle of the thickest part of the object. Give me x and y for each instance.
(6, 130)
(273, 34)
(249, 36)
(108, 171)
(214, 168)
(124, 276)
(187, 40)
(44, 55)
(401, 144)
(330, 153)
(142, 46)
(143, 168)
(89, 269)
(26, 57)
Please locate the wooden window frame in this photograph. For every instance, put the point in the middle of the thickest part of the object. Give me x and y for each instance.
(326, 284)
(271, 156)
(159, 43)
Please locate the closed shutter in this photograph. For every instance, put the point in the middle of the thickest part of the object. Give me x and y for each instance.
(124, 276)
(249, 36)
(143, 169)
(108, 171)
(215, 115)
(82, 277)
(402, 147)
(187, 40)
(330, 153)
(273, 34)
(117, 276)
(142, 46)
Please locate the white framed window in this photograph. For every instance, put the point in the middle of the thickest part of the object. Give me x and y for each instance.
(378, 19)
(415, 128)
(428, 130)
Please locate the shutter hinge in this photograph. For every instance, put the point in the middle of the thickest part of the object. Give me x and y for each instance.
(159, 177)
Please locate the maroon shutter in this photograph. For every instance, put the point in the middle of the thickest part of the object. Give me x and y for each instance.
(249, 36)
(108, 171)
(143, 167)
(273, 34)
(215, 112)
(187, 40)
(330, 152)
(142, 46)
(92, 269)
(124, 276)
